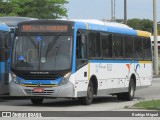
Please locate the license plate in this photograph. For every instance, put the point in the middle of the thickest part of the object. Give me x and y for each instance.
(38, 89)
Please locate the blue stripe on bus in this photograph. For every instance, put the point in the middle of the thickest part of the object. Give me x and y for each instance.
(128, 31)
(56, 82)
(90, 26)
(122, 31)
(74, 52)
(78, 25)
(2, 70)
(4, 28)
(113, 61)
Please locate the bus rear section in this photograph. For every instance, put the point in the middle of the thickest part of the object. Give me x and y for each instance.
(117, 62)
(4, 58)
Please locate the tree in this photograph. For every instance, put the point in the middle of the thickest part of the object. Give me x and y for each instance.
(159, 29)
(43, 9)
(141, 24)
(5, 8)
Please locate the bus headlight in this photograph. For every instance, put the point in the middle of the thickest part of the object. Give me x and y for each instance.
(14, 77)
(65, 79)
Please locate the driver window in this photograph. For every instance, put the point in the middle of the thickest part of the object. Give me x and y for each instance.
(81, 47)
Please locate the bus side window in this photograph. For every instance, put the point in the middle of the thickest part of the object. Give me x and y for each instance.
(84, 47)
(2, 41)
(94, 45)
(138, 50)
(147, 49)
(128, 47)
(106, 45)
(78, 47)
(8, 40)
(118, 46)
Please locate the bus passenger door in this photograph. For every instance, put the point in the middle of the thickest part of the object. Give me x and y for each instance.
(81, 65)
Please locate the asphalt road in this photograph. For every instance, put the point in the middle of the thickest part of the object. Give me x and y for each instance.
(107, 103)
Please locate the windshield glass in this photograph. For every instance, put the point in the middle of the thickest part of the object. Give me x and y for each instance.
(42, 53)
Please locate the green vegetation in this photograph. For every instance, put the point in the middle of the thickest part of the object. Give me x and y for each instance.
(44, 9)
(52, 9)
(158, 29)
(150, 105)
(141, 24)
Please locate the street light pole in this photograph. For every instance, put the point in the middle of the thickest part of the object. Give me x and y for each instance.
(155, 37)
(113, 10)
(125, 12)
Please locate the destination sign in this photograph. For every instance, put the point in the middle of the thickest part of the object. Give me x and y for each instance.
(44, 28)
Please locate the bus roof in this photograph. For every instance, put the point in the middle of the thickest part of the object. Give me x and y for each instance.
(94, 21)
(143, 33)
(102, 26)
(110, 27)
(4, 27)
(12, 21)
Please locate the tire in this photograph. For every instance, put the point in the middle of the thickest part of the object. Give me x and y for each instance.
(89, 98)
(36, 101)
(130, 94)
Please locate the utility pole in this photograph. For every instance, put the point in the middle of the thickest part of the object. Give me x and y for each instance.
(155, 37)
(125, 12)
(113, 10)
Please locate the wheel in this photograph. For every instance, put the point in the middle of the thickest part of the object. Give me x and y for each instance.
(130, 94)
(132, 88)
(89, 98)
(36, 101)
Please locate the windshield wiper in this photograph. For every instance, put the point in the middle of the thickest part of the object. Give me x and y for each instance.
(34, 43)
(51, 44)
(57, 53)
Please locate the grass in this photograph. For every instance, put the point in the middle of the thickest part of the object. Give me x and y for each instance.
(149, 105)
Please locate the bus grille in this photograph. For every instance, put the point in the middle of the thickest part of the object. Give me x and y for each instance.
(41, 77)
(46, 92)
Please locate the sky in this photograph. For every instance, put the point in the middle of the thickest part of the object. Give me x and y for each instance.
(101, 9)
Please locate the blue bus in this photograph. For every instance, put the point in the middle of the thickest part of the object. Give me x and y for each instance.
(4, 58)
(79, 59)
(12, 21)
(7, 28)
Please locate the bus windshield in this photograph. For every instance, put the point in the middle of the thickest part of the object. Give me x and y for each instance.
(41, 53)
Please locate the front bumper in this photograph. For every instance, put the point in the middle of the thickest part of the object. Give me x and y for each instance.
(64, 91)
